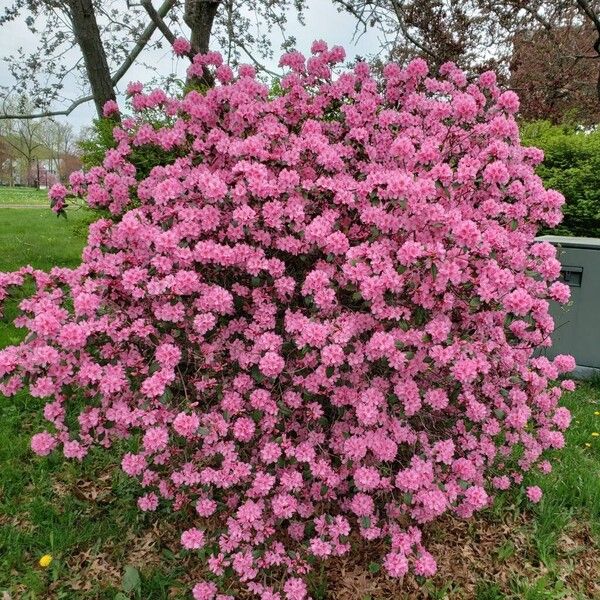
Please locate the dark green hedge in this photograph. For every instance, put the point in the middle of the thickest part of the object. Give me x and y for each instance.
(572, 166)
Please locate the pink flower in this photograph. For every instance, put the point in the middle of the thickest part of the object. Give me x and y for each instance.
(534, 493)
(155, 439)
(206, 507)
(363, 505)
(509, 101)
(148, 502)
(425, 565)
(204, 591)
(519, 302)
(366, 478)
(496, 172)
(395, 564)
(186, 425)
(133, 464)
(135, 87)
(271, 364)
(243, 429)
(110, 108)
(192, 539)
(181, 46)
(295, 589)
(43, 443)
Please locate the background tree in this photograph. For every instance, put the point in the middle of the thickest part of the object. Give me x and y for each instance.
(95, 42)
(6, 164)
(554, 82)
(482, 34)
(23, 139)
(61, 140)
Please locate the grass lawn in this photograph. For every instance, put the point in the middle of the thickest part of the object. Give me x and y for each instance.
(85, 514)
(23, 196)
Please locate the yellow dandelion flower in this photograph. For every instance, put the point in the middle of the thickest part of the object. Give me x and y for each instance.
(597, 412)
(595, 434)
(587, 445)
(45, 560)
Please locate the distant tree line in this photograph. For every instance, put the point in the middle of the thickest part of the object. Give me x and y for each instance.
(36, 152)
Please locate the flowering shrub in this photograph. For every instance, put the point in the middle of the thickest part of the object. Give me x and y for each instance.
(319, 314)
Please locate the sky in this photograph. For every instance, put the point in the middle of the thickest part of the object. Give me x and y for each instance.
(322, 21)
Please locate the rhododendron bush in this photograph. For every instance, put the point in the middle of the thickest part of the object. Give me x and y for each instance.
(319, 315)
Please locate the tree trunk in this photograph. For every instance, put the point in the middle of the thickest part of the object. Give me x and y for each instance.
(199, 16)
(597, 49)
(87, 34)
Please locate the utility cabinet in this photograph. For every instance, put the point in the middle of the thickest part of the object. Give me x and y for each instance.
(577, 324)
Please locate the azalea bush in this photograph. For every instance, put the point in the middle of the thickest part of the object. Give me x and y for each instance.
(319, 314)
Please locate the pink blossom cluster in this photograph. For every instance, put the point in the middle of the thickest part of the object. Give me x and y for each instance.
(321, 316)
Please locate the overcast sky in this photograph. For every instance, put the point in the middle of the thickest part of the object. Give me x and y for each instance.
(322, 22)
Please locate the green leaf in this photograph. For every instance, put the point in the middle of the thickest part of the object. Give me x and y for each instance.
(365, 522)
(167, 395)
(121, 596)
(404, 325)
(374, 568)
(475, 302)
(257, 375)
(131, 580)
(374, 234)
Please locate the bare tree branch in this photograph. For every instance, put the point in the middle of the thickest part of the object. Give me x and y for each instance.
(402, 25)
(162, 12)
(158, 21)
(259, 65)
(141, 43)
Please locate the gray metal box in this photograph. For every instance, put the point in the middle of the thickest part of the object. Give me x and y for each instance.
(577, 325)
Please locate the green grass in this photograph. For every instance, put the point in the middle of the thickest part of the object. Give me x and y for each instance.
(36, 236)
(85, 514)
(23, 196)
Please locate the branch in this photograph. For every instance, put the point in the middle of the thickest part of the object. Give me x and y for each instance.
(258, 64)
(162, 12)
(590, 12)
(158, 21)
(536, 16)
(360, 20)
(141, 43)
(50, 113)
(407, 34)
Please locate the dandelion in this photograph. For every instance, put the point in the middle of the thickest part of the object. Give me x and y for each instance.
(597, 412)
(588, 445)
(46, 560)
(595, 434)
